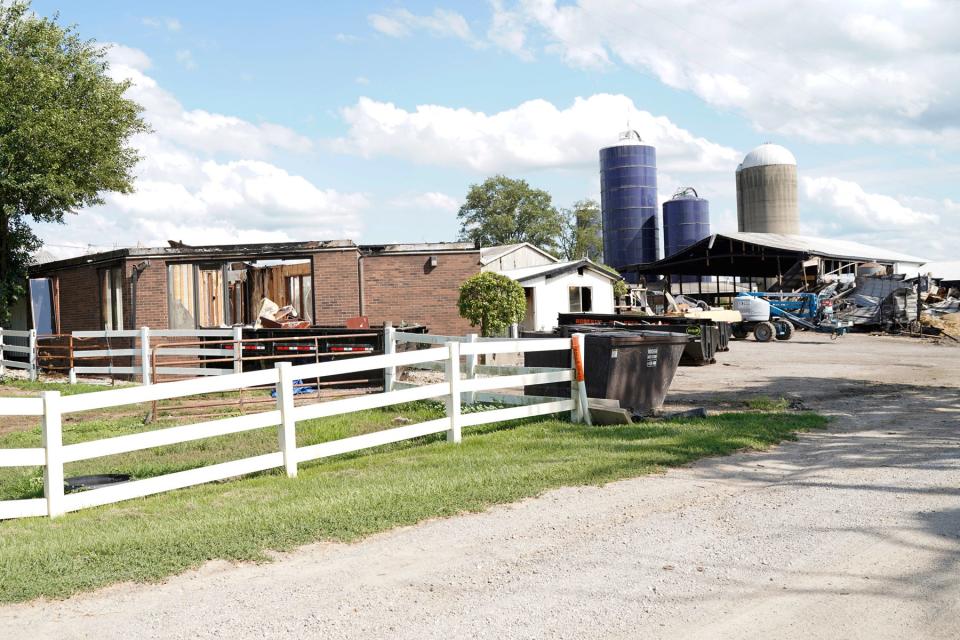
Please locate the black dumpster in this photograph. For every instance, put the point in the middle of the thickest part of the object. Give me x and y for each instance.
(635, 367)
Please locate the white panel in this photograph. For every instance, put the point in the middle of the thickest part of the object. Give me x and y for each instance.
(516, 346)
(187, 351)
(356, 443)
(172, 435)
(165, 390)
(16, 334)
(191, 333)
(193, 371)
(21, 407)
(171, 481)
(13, 364)
(423, 338)
(507, 370)
(14, 347)
(373, 401)
(513, 399)
(120, 370)
(513, 413)
(22, 508)
(504, 382)
(104, 353)
(34, 457)
(105, 334)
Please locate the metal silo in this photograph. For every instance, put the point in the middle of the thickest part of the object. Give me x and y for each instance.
(686, 220)
(767, 191)
(628, 200)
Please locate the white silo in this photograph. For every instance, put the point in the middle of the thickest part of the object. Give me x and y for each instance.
(767, 191)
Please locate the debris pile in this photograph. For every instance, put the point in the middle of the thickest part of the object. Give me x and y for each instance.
(272, 316)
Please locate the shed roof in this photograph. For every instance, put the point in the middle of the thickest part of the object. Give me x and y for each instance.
(559, 268)
(491, 254)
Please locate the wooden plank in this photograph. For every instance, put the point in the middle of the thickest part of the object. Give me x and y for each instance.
(22, 508)
(166, 390)
(193, 371)
(102, 370)
(171, 435)
(33, 457)
(161, 351)
(507, 370)
(357, 443)
(514, 399)
(514, 413)
(504, 382)
(424, 338)
(191, 333)
(14, 333)
(105, 334)
(516, 346)
(373, 401)
(14, 364)
(171, 481)
(14, 348)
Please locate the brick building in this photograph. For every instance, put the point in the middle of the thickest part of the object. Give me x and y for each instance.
(186, 287)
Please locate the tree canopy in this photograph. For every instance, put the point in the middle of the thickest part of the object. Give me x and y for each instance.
(65, 131)
(503, 210)
(583, 231)
(491, 301)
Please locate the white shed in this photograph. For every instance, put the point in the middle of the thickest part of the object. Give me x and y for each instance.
(563, 287)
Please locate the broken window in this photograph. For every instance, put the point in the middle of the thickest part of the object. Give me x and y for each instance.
(210, 296)
(581, 299)
(183, 299)
(197, 296)
(284, 282)
(300, 292)
(43, 305)
(111, 298)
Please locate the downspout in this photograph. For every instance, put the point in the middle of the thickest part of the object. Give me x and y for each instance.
(360, 283)
(137, 270)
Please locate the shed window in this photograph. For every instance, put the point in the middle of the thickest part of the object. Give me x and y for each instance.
(581, 299)
(111, 298)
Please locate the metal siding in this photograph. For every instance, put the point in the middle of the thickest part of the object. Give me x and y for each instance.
(628, 200)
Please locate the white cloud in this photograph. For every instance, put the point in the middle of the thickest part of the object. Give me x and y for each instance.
(362, 80)
(171, 24)
(400, 23)
(873, 70)
(431, 200)
(185, 58)
(205, 179)
(534, 135)
(854, 207)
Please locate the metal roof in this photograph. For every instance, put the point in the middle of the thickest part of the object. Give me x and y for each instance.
(490, 254)
(550, 270)
(827, 247)
(766, 154)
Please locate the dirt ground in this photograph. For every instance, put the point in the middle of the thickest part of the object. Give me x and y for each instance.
(853, 532)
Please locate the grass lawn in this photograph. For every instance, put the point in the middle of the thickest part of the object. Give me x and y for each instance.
(343, 498)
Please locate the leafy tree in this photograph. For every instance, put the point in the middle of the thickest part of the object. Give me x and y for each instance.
(65, 129)
(492, 301)
(502, 210)
(620, 289)
(583, 231)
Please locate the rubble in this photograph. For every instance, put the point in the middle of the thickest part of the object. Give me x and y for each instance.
(272, 316)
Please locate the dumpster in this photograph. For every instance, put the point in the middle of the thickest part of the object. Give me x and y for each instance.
(634, 367)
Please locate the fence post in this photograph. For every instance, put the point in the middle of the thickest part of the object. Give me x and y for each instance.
(238, 349)
(145, 355)
(514, 331)
(389, 348)
(32, 357)
(471, 364)
(453, 400)
(51, 431)
(3, 369)
(578, 388)
(288, 424)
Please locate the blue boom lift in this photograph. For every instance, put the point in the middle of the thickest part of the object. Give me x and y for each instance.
(770, 315)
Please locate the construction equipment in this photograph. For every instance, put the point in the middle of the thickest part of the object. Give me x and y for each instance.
(774, 315)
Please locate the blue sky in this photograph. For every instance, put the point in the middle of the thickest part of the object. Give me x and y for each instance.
(371, 120)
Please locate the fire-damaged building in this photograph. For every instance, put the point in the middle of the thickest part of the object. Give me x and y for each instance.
(326, 283)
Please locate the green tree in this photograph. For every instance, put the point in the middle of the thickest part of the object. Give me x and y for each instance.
(583, 231)
(491, 301)
(65, 129)
(502, 210)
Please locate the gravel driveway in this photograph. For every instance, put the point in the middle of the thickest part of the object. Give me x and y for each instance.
(849, 533)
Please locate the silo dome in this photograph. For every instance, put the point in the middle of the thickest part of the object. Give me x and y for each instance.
(767, 154)
(767, 191)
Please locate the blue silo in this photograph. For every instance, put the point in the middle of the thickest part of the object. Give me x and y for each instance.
(628, 200)
(686, 220)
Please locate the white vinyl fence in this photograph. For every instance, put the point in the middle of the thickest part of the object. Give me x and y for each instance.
(51, 407)
(140, 352)
(21, 342)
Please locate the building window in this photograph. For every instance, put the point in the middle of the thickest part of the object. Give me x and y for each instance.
(581, 299)
(197, 296)
(300, 295)
(111, 298)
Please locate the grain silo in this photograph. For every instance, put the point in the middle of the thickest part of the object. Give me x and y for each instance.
(628, 200)
(767, 191)
(686, 220)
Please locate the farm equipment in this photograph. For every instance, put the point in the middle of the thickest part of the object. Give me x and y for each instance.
(774, 315)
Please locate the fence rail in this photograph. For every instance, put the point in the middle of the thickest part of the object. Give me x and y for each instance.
(53, 455)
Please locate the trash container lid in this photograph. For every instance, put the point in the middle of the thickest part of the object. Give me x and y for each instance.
(638, 338)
